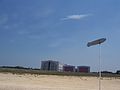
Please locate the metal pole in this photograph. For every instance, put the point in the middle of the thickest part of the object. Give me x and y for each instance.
(99, 66)
(95, 42)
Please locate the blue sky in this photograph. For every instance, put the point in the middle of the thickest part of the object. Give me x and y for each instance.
(36, 30)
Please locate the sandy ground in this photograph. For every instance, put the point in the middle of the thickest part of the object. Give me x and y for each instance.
(50, 82)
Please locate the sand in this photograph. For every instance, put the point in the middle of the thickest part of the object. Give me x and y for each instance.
(51, 82)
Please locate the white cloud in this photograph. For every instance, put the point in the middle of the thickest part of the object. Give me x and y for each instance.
(75, 17)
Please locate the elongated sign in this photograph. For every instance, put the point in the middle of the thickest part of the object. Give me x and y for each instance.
(95, 42)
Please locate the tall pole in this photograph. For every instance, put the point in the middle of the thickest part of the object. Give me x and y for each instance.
(96, 42)
(99, 66)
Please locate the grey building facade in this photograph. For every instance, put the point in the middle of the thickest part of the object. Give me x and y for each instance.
(50, 65)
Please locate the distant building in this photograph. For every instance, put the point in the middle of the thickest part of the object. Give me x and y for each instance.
(68, 68)
(60, 67)
(118, 72)
(84, 69)
(51, 65)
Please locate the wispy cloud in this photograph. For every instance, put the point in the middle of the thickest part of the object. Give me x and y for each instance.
(75, 17)
(55, 44)
(29, 34)
(61, 42)
(12, 41)
(24, 32)
(46, 12)
(34, 37)
(3, 19)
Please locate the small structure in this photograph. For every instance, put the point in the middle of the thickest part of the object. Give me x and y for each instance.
(50, 65)
(83, 69)
(68, 68)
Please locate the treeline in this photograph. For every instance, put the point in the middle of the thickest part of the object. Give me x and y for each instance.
(19, 67)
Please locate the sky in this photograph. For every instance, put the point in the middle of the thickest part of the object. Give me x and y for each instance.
(35, 30)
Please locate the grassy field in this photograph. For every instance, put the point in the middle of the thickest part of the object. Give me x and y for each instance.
(40, 72)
